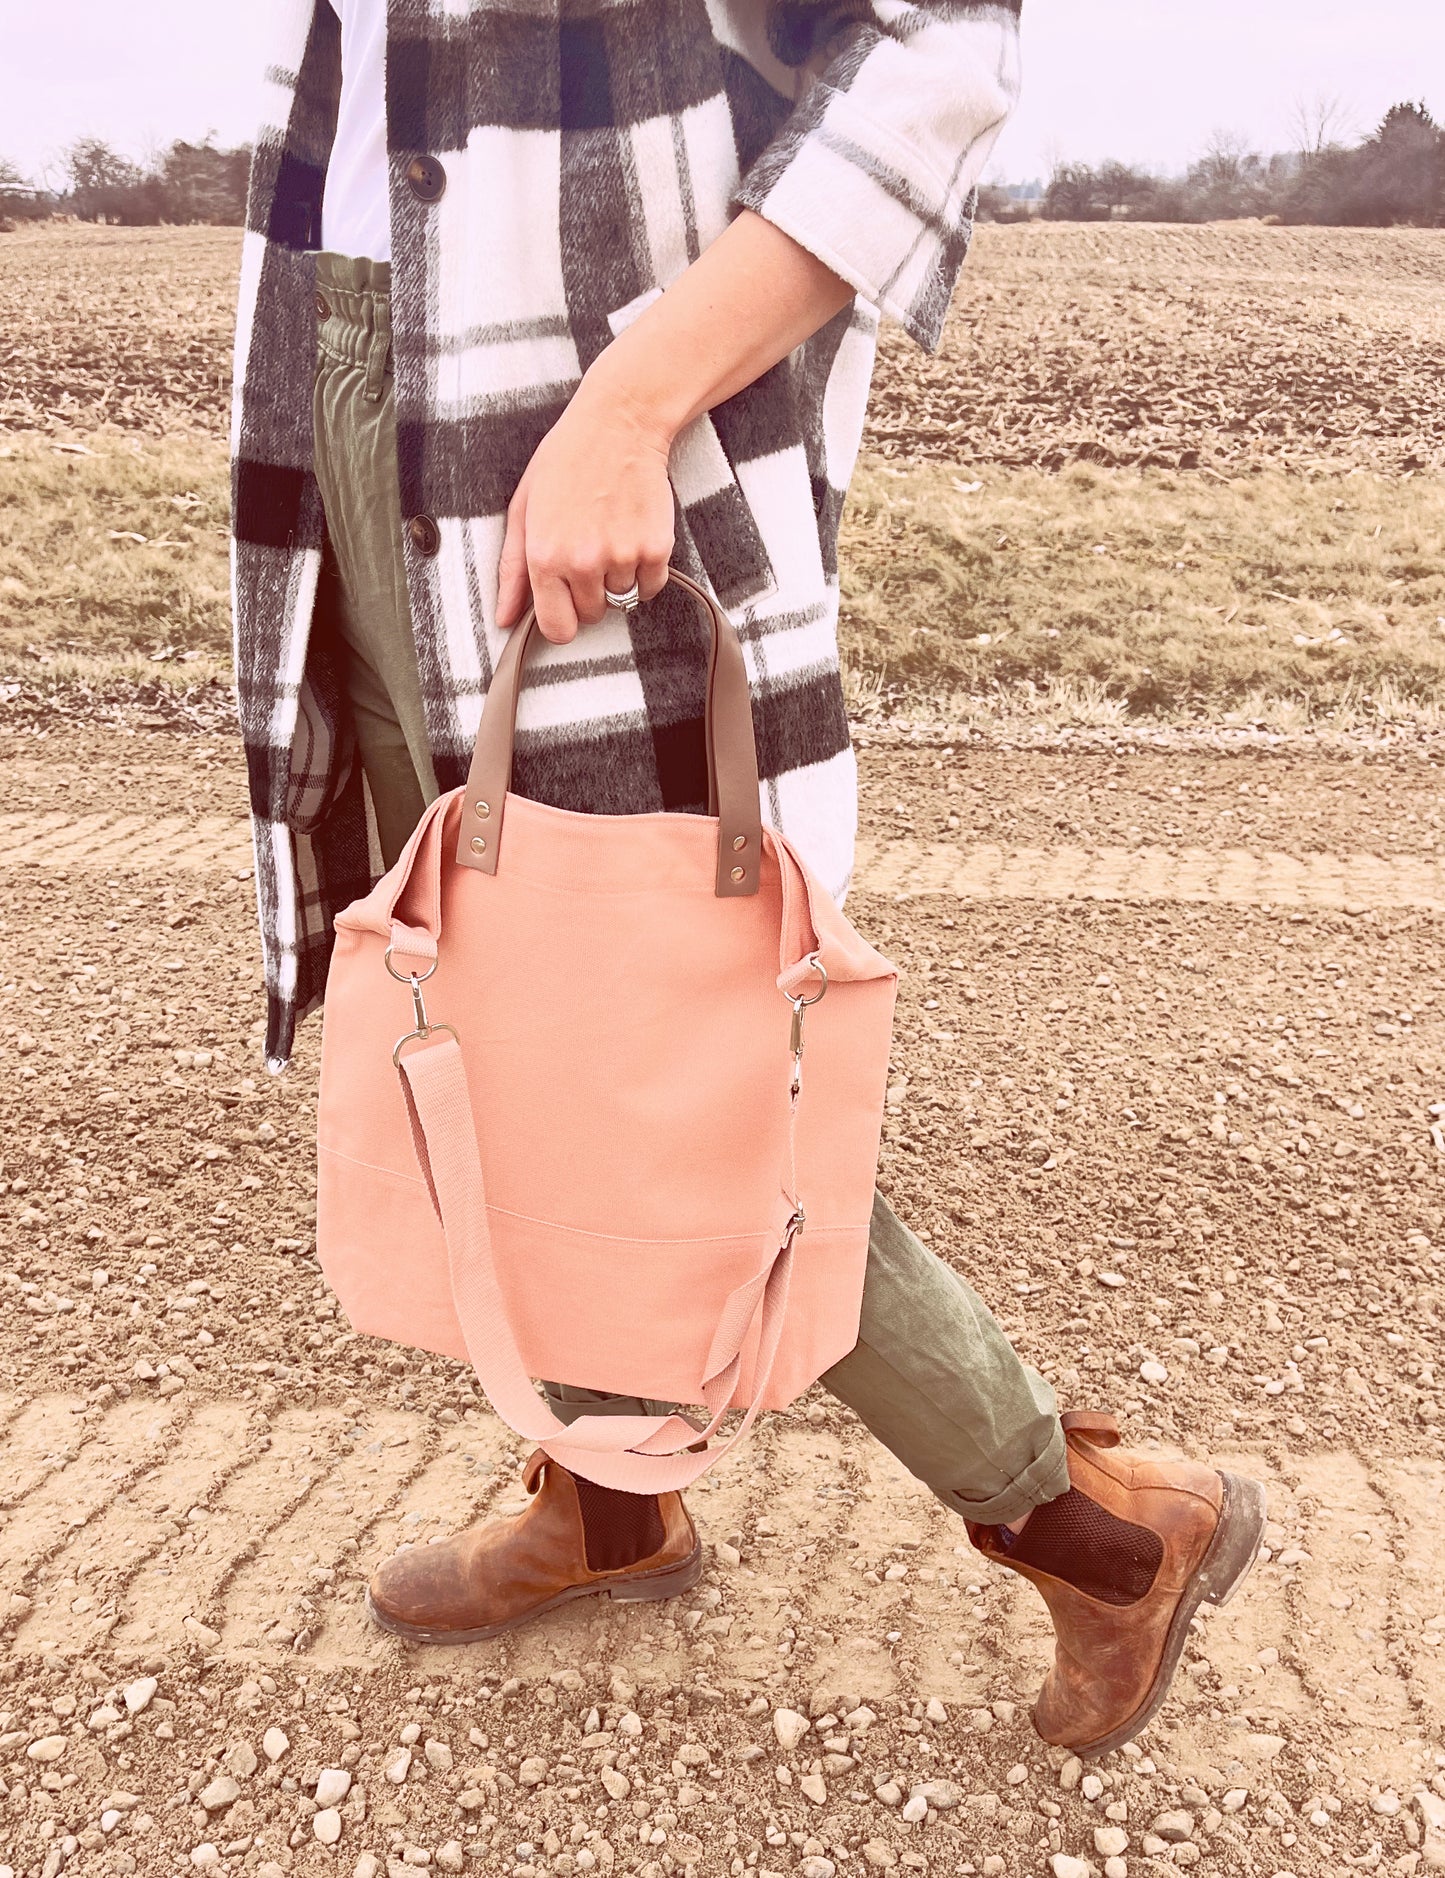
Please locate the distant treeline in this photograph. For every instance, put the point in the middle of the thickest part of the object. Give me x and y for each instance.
(189, 182)
(1395, 176)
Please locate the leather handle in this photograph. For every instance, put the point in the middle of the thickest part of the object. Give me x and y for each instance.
(732, 759)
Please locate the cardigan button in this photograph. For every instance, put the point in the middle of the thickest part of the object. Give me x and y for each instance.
(426, 178)
(423, 534)
(323, 307)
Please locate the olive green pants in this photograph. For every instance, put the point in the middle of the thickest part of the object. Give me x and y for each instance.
(932, 1374)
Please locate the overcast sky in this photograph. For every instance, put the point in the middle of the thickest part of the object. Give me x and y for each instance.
(1145, 80)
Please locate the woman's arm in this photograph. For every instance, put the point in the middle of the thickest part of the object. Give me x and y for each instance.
(594, 506)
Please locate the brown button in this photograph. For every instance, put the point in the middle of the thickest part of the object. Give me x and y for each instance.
(323, 307)
(423, 534)
(426, 178)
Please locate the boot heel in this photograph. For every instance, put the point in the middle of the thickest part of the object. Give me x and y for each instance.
(658, 1585)
(1237, 1541)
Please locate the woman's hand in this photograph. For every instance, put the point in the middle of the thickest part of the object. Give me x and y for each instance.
(594, 508)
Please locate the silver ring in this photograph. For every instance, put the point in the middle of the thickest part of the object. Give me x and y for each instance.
(627, 601)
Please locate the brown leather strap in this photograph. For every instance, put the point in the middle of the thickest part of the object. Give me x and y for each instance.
(732, 759)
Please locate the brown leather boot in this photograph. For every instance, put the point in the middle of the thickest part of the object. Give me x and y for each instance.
(1124, 1559)
(575, 1540)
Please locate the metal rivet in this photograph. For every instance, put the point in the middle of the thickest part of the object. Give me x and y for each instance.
(484, 809)
(738, 872)
(479, 844)
(740, 841)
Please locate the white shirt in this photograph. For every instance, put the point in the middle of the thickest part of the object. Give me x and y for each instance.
(356, 206)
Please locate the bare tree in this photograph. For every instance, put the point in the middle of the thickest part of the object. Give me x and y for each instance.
(1319, 123)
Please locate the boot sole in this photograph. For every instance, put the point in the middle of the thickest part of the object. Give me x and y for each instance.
(643, 1588)
(1224, 1568)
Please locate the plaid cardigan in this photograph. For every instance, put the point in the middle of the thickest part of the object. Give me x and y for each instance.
(554, 164)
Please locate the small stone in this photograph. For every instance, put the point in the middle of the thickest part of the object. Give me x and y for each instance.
(915, 1808)
(789, 1727)
(992, 1866)
(617, 1784)
(103, 1717)
(1090, 1786)
(1153, 1372)
(110, 1819)
(222, 1791)
(138, 1694)
(1116, 1868)
(815, 1866)
(1064, 1866)
(367, 1866)
(120, 1801)
(728, 1555)
(205, 1855)
(1386, 1804)
(327, 1825)
(629, 1725)
(813, 1787)
(1110, 1841)
(332, 1786)
(1070, 1773)
(980, 1721)
(934, 1710)
(201, 1633)
(274, 1744)
(1017, 1774)
(398, 1764)
(438, 1755)
(1262, 1747)
(240, 1760)
(880, 1855)
(1175, 1826)
(450, 1855)
(889, 1794)
(942, 1795)
(1234, 1799)
(410, 1735)
(47, 1748)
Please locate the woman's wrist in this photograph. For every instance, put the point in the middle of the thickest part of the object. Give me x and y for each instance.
(637, 393)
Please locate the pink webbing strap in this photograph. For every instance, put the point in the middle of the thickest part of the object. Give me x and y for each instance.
(637, 1453)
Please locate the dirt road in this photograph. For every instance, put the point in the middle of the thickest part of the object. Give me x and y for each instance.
(1168, 1020)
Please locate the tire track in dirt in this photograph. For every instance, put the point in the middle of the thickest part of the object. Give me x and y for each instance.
(188, 1576)
(81, 1598)
(123, 1444)
(848, 1570)
(974, 871)
(282, 1591)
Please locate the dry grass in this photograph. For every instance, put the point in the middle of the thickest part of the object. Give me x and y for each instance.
(1090, 597)
(117, 555)
(1125, 592)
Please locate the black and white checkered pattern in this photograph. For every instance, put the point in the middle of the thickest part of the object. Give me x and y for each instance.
(590, 153)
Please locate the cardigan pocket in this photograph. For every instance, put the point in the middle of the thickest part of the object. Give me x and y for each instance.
(715, 510)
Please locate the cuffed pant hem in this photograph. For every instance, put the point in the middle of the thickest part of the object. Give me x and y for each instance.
(1043, 1479)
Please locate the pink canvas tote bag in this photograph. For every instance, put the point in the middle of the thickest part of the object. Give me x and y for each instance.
(601, 1098)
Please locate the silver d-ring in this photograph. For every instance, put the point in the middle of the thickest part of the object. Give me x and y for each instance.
(422, 1033)
(627, 601)
(405, 978)
(821, 969)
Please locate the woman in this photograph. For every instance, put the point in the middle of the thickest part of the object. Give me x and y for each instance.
(460, 385)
